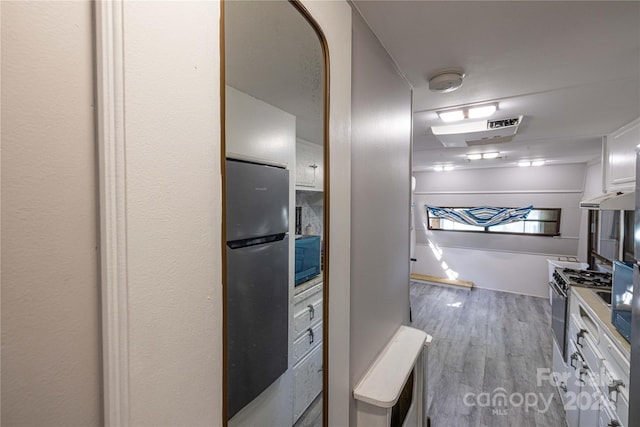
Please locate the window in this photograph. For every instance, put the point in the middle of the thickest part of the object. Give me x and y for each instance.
(539, 222)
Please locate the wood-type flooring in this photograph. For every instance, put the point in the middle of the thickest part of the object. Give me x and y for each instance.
(485, 357)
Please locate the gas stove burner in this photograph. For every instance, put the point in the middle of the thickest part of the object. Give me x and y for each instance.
(587, 278)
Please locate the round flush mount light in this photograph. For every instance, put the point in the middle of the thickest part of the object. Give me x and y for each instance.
(446, 80)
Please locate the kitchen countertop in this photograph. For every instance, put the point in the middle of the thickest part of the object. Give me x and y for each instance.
(308, 284)
(603, 312)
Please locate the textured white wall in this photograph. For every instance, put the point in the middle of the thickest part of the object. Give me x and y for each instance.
(172, 105)
(51, 364)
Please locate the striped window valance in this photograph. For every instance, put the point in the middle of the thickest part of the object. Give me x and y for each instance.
(483, 216)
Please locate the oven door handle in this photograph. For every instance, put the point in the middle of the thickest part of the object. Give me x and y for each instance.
(556, 289)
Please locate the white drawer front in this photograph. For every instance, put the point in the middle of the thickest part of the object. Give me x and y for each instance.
(307, 381)
(619, 401)
(306, 341)
(307, 316)
(585, 344)
(606, 415)
(310, 296)
(619, 364)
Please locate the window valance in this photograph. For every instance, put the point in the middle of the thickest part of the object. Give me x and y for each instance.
(483, 216)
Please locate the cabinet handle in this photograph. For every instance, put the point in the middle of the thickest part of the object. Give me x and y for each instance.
(613, 423)
(563, 387)
(310, 335)
(574, 357)
(312, 311)
(614, 387)
(580, 335)
(313, 166)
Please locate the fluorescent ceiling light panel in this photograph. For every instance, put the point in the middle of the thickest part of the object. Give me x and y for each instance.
(476, 156)
(438, 168)
(524, 163)
(451, 116)
(537, 163)
(448, 168)
(482, 111)
(491, 155)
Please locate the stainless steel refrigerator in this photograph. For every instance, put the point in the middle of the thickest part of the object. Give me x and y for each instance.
(257, 295)
(634, 387)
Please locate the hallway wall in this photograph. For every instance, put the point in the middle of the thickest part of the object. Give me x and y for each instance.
(172, 105)
(51, 362)
(380, 200)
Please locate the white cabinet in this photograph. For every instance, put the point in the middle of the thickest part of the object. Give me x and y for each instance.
(309, 166)
(602, 370)
(307, 346)
(619, 158)
(257, 131)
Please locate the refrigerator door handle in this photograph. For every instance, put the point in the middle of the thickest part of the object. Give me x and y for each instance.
(243, 243)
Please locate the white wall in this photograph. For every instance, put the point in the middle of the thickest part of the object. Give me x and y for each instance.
(172, 106)
(483, 258)
(51, 365)
(380, 201)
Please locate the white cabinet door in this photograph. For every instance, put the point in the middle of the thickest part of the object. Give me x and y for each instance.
(307, 381)
(619, 157)
(309, 165)
(258, 131)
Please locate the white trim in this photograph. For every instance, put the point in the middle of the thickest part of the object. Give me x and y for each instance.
(113, 229)
(469, 248)
(501, 192)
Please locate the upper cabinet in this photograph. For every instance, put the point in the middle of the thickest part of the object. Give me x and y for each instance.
(257, 131)
(619, 158)
(309, 166)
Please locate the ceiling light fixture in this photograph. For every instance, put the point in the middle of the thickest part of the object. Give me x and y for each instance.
(451, 116)
(491, 155)
(524, 163)
(448, 168)
(483, 156)
(438, 168)
(471, 112)
(482, 111)
(537, 163)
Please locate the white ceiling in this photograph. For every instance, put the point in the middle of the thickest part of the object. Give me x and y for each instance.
(571, 68)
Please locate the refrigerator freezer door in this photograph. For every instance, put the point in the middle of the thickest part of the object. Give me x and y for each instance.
(257, 319)
(257, 200)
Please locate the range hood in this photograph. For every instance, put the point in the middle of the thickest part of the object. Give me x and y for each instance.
(611, 202)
